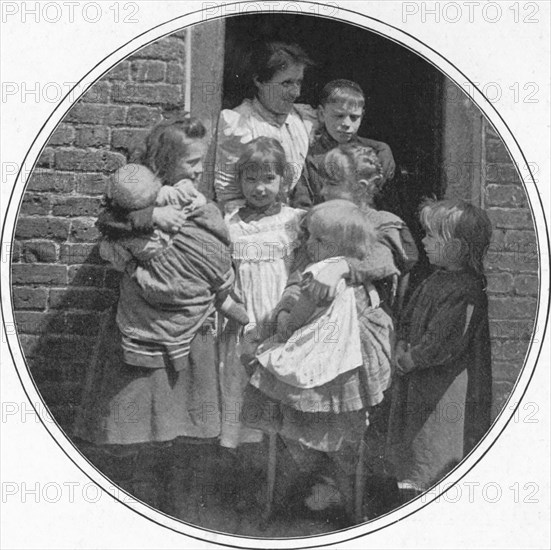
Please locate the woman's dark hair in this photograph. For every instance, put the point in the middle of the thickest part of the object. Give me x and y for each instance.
(269, 57)
(164, 147)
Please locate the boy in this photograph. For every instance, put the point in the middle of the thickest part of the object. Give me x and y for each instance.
(340, 112)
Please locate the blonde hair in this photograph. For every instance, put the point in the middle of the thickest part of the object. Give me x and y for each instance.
(351, 232)
(457, 219)
(358, 166)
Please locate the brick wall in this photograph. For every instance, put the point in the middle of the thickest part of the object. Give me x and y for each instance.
(60, 285)
(511, 265)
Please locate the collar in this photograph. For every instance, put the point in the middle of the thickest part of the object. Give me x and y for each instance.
(326, 141)
(248, 214)
(270, 117)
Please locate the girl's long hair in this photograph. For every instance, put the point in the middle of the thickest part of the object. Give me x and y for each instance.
(458, 219)
(164, 146)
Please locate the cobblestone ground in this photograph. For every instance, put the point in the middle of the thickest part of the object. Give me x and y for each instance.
(220, 490)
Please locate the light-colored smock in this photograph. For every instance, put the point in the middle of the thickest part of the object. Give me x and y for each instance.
(262, 250)
(249, 121)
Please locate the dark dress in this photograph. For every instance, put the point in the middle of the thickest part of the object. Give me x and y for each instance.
(442, 408)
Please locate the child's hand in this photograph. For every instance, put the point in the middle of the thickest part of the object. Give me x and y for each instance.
(323, 286)
(283, 325)
(167, 195)
(403, 360)
(168, 218)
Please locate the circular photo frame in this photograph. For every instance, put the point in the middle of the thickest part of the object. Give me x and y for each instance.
(71, 346)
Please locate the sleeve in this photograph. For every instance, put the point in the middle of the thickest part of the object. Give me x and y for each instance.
(141, 221)
(290, 295)
(113, 222)
(384, 153)
(301, 312)
(448, 333)
(379, 265)
(309, 116)
(232, 133)
(401, 243)
(302, 195)
(115, 254)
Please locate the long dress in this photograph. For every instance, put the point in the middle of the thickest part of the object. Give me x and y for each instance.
(263, 251)
(442, 408)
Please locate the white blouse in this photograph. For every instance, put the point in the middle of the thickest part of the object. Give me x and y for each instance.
(249, 121)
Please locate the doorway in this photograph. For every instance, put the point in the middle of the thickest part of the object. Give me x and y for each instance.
(403, 97)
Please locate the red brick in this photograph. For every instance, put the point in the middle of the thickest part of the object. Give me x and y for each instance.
(512, 308)
(38, 322)
(161, 94)
(86, 324)
(29, 344)
(113, 279)
(500, 259)
(88, 161)
(13, 249)
(510, 350)
(64, 134)
(57, 182)
(121, 71)
(68, 347)
(143, 116)
(128, 140)
(500, 282)
(167, 49)
(83, 299)
(91, 184)
(512, 330)
(46, 158)
(496, 151)
(76, 206)
(35, 205)
(39, 251)
(505, 195)
(501, 173)
(44, 274)
(41, 228)
(506, 371)
(84, 230)
(513, 218)
(92, 136)
(90, 275)
(100, 92)
(527, 285)
(90, 113)
(71, 254)
(513, 239)
(501, 390)
(175, 73)
(30, 298)
(148, 71)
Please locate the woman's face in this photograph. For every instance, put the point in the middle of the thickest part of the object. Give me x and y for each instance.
(280, 92)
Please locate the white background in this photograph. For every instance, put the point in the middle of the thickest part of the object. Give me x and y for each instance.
(503, 52)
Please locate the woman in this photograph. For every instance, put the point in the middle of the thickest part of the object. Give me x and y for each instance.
(276, 70)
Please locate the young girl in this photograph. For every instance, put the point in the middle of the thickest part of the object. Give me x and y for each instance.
(265, 234)
(158, 382)
(443, 358)
(316, 385)
(354, 173)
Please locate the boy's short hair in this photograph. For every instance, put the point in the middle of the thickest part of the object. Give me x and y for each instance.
(342, 91)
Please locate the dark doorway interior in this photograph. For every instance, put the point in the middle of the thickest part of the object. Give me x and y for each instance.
(403, 92)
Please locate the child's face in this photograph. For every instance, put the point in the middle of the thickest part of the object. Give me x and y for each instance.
(341, 120)
(320, 246)
(190, 165)
(260, 184)
(441, 252)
